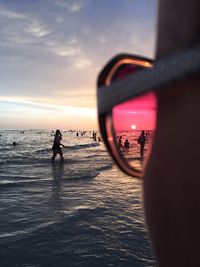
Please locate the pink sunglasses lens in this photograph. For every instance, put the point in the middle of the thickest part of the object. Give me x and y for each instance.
(134, 123)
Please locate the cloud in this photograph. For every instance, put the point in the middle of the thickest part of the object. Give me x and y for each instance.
(66, 51)
(19, 30)
(71, 7)
(72, 51)
(42, 106)
(35, 28)
(82, 63)
(10, 14)
(75, 7)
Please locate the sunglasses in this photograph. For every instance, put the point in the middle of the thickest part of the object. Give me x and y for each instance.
(127, 103)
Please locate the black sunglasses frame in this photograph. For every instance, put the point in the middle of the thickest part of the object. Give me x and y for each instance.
(165, 72)
(105, 120)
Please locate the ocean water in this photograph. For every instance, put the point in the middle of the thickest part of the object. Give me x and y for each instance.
(83, 212)
(132, 154)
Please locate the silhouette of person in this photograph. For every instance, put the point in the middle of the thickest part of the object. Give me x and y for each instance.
(94, 135)
(126, 144)
(141, 142)
(56, 146)
(120, 143)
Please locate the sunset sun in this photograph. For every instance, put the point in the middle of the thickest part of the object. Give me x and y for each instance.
(133, 126)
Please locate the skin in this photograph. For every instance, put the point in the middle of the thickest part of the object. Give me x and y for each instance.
(178, 25)
(172, 177)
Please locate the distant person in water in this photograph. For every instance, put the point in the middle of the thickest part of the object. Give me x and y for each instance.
(94, 136)
(56, 146)
(120, 143)
(141, 142)
(14, 143)
(126, 144)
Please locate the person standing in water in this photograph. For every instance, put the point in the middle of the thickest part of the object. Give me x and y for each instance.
(56, 146)
(126, 144)
(120, 143)
(141, 142)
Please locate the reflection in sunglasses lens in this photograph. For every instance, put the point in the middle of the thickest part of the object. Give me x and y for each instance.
(134, 123)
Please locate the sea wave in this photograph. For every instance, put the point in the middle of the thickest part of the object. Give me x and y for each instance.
(81, 146)
(72, 147)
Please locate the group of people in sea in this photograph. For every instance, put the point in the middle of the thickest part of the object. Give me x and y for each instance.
(122, 145)
(95, 137)
(56, 147)
(141, 141)
(82, 133)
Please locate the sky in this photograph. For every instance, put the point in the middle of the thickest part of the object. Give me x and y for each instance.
(136, 114)
(52, 51)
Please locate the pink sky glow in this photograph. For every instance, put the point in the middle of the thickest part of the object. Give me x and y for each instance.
(140, 112)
